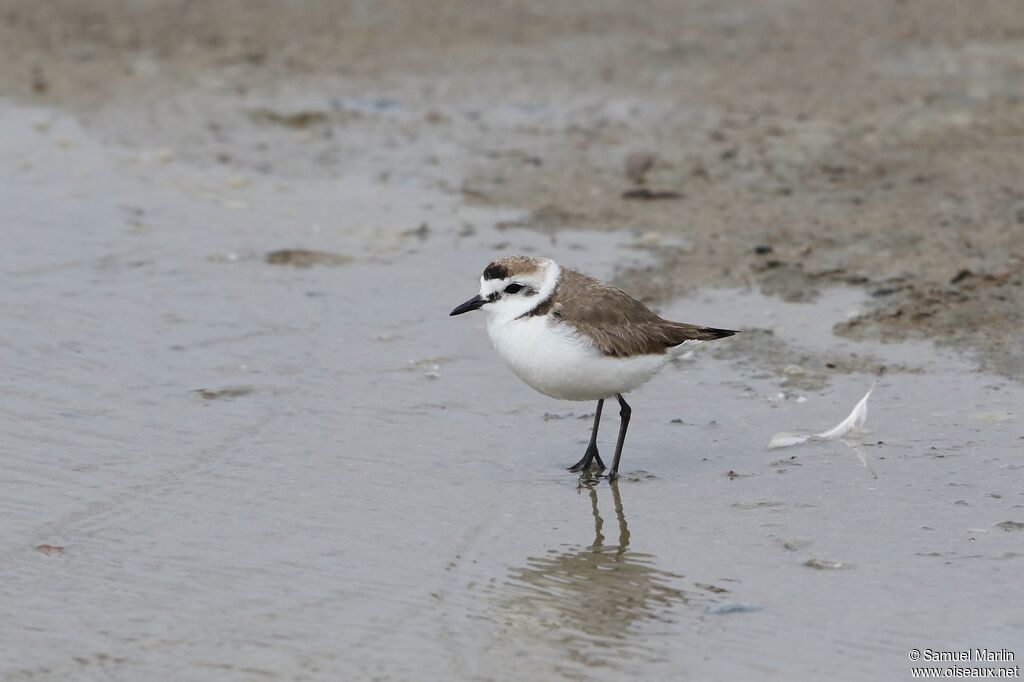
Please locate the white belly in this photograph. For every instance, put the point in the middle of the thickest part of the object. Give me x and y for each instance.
(557, 362)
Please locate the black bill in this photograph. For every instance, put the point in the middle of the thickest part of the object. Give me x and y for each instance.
(472, 304)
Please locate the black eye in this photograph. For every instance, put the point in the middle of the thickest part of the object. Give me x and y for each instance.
(513, 288)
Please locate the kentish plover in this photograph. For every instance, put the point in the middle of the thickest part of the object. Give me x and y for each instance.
(573, 337)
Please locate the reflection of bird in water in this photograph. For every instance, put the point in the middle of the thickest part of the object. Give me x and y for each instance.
(586, 605)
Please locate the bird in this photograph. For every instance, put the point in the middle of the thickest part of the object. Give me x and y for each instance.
(570, 336)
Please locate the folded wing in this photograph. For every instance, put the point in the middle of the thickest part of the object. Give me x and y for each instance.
(617, 324)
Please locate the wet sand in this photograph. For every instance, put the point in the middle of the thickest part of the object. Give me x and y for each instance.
(244, 440)
(875, 144)
(256, 469)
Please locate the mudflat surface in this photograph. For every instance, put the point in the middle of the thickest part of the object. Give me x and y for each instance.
(245, 441)
(874, 143)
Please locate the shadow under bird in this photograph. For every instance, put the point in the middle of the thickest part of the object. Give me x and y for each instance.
(573, 337)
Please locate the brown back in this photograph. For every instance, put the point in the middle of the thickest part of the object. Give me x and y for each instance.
(618, 324)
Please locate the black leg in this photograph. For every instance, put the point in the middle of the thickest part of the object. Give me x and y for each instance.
(591, 454)
(624, 413)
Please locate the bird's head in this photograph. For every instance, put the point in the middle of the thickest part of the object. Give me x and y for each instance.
(513, 286)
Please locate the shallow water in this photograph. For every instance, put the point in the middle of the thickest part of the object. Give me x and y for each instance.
(255, 470)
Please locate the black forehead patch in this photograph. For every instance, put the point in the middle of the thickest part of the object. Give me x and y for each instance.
(495, 271)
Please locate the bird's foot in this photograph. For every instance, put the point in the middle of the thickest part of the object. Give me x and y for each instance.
(590, 460)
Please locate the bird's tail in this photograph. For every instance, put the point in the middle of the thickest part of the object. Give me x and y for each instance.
(680, 331)
(710, 333)
(691, 335)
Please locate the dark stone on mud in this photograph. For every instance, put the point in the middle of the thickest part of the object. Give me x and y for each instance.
(422, 232)
(650, 195)
(297, 119)
(1010, 525)
(731, 607)
(304, 258)
(960, 276)
(224, 393)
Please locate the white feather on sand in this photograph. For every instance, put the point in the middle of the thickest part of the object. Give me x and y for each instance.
(849, 426)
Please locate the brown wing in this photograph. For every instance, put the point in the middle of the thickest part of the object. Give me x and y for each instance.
(618, 324)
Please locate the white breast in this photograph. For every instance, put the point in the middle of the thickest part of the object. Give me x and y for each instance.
(558, 362)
